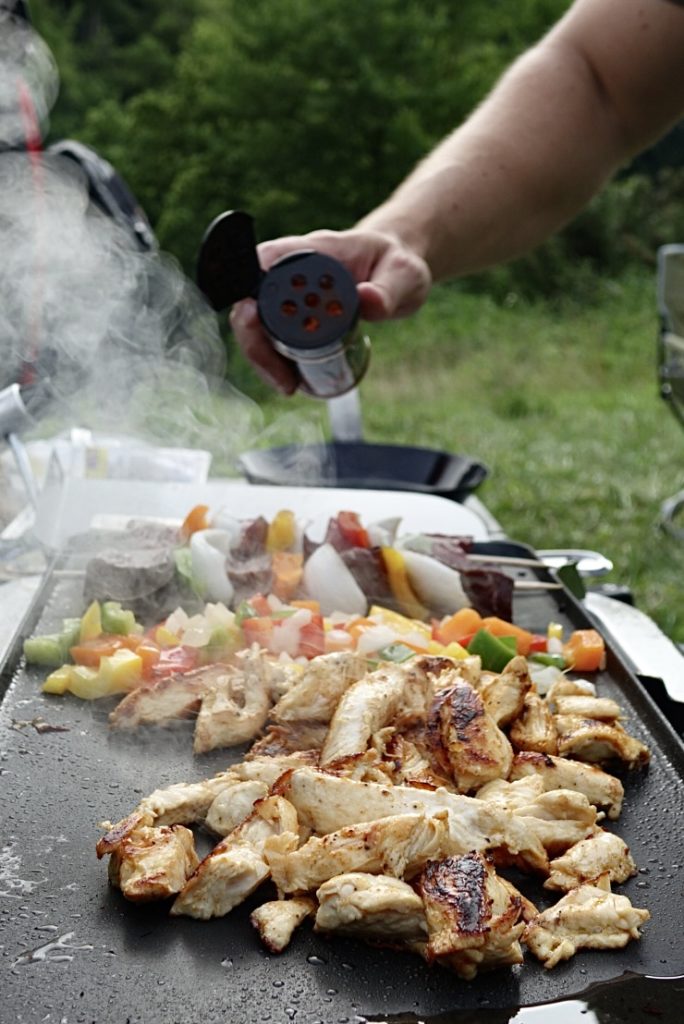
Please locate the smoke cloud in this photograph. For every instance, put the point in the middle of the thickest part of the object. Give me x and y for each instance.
(100, 334)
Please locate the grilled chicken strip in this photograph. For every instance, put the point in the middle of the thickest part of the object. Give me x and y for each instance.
(235, 706)
(567, 687)
(403, 763)
(560, 817)
(396, 845)
(594, 741)
(588, 707)
(168, 700)
(464, 739)
(589, 917)
(600, 788)
(380, 908)
(325, 803)
(602, 853)
(236, 867)
(474, 921)
(293, 737)
(277, 920)
(316, 694)
(367, 706)
(233, 805)
(535, 729)
(152, 863)
(504, 695)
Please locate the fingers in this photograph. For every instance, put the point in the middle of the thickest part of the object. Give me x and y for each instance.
(277, 372)
(392, 281)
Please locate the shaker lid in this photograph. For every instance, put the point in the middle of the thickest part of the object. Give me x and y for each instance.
(308, 300)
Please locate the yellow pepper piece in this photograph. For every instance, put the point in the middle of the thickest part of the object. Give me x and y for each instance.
(83, 683)
(281, 531)
(400, 585)
(400, 623)
(58, 681)
(91, 622)
(121, 671)
(554, 631)
(452, 650)
(165, 638)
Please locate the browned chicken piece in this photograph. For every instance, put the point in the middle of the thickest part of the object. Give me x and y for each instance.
(464, 740)
(382, 909)
(590, 740)
(290, 738)
(404, 763)
(168, 700)
(152, 863)
(567, 687)
(528, 909)
(504, 695)
(468, 669)
(397, 846)
(589, 917)
(233, 805)
(314, 697)
(235, 707)
(236, 867)
(184, 803)
(535, 729)
(365, 707)
(277, 920)
(602, 853)
(588, 707)
(474, 921)
(326, 803)
(600, 788)
(559, 817)
(269, 768)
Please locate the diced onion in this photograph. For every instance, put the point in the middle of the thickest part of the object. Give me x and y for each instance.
(209, 550)
(329, 581)
(177, 621)
(286, 636)
(218, 615)
(435, 584)
(544, 676)
(197, 632)
(375, 638)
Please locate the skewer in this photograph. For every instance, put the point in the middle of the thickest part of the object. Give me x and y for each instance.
(527, 563)
(530, 585)
(521, 585)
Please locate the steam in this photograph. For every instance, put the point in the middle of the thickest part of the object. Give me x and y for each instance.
(28, 73)
(100, 334)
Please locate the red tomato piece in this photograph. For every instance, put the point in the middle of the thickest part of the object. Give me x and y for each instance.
(538, 644)
(174, 661)
(351, 529)
(312, 638)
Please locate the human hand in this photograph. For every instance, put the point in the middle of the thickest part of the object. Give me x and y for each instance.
(392, 281)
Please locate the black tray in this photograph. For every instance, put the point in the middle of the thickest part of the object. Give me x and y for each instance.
(74, 950)
(363, 465)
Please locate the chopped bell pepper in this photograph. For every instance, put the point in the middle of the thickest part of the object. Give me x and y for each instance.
(585, 651)
(465, 622)
(282, 531)
(499, 627)
(196, 519)
(91, 622)
(493, 650)
(352, 531)
(288, 569)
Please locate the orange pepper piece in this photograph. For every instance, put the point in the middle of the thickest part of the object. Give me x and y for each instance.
(196, 519)
(288, 570)
(462, 623)
(499, 627)
(585, 651)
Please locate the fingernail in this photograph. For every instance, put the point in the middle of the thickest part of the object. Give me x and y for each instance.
(244, 313)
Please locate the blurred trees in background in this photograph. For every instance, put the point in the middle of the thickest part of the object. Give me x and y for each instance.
(307, 113)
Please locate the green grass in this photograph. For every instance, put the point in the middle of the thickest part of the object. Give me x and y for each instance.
(560, 401)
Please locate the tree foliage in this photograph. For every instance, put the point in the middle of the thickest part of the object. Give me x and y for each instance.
(304, 113)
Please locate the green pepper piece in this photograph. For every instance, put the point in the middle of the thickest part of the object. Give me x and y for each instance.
(557, 660)
(47, 651)
(118, 620)
(244, 611)
(495, 654)
(396, 652)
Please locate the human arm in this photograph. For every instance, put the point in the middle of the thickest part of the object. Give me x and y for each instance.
(603, 83)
